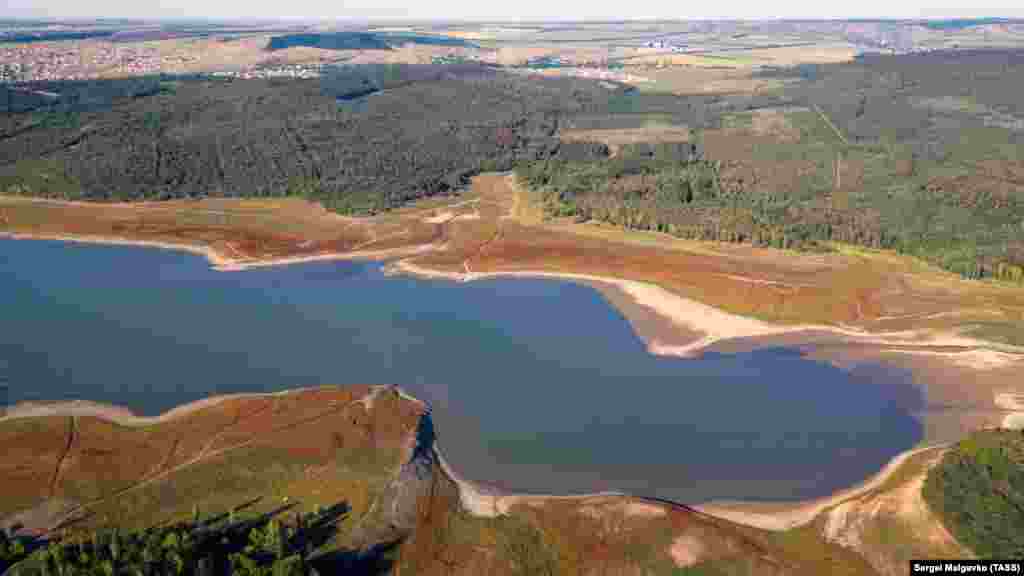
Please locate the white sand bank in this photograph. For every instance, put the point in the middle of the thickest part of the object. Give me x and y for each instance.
(718, 325)
(226, 264)
(803, 513)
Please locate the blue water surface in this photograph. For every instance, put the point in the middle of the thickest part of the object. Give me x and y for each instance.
(537, 385)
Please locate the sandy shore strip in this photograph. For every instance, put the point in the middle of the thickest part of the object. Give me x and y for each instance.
(487, 502)
(687, 328)
(123, 416)
(1014, 403)
(475, 499)
(483, 501)
(796, 514)
(708, 325)
(716, 325)
(215, 258)
(227, 264)
(713, 324)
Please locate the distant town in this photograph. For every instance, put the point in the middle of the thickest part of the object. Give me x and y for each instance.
(53, 51)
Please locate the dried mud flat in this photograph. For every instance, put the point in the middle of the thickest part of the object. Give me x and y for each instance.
(682, 298)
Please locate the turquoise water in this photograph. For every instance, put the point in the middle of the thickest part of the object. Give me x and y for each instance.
(537, 385)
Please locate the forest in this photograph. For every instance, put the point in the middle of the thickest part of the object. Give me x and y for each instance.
(978, 491)
(918, 153)
(677, 190)
(889, 152)
(423, 132)
(258, 545)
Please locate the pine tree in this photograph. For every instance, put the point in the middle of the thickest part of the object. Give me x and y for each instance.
(282, 541)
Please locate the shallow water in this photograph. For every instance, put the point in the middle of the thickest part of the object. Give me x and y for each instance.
(537, 385)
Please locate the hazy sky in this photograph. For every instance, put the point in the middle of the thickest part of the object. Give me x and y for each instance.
(505, 10)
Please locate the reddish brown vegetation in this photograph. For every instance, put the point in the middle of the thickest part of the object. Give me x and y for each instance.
(105, 460)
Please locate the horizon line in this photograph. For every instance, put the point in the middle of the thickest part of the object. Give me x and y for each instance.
(394, 19)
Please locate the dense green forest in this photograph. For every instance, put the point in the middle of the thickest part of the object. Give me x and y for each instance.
(932, 161)
(928, 146)
(924, 101)
(655, 187)
(978, 491)
(424, 132)
(938, 141)
(265, 544)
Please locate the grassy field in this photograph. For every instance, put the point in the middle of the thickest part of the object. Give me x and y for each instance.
(314, 447)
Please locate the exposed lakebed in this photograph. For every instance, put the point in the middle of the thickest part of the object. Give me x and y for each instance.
(537, 385)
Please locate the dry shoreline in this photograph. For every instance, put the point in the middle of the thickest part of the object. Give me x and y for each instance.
(478, 500)
(801, 513)
(120, 415)
(223, 263)
(695, 317)
(703, 326)
(717, 325)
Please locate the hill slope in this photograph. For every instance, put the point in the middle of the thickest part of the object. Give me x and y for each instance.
(86, 467)
(978, 490)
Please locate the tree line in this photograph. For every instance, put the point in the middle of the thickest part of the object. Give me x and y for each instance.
(940, 158)
(676, 189)
(264, 544)
(424, 133)
(978, 492)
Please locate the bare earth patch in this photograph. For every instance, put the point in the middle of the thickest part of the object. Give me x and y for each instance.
(891, 526)
(774, 122)
(440, 218)
(786, 516)
(600, 507)
(614, 139)
(686, 551)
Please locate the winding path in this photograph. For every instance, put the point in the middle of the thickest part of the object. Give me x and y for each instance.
(72, 432)
(205, 453)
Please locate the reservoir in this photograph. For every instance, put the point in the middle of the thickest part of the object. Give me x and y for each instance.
(537, 385)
